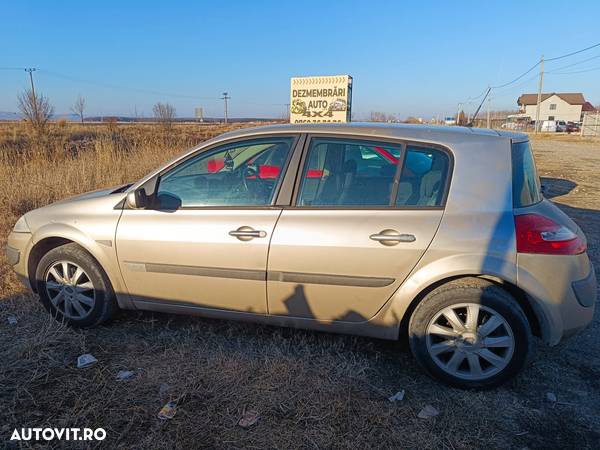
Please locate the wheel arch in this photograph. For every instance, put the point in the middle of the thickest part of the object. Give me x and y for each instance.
(37, 252)
(534, 317)
(105, 258)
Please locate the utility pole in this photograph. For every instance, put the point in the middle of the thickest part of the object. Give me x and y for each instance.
(539, 97)
(458, 113)
(30, 71)
(489, 101)
(225, 98)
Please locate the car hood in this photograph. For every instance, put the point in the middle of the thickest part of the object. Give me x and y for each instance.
(89, 208)
(93, 194)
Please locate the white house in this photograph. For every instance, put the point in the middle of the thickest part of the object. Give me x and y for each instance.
(555, 106)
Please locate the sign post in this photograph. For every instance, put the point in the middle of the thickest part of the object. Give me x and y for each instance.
(321, 99)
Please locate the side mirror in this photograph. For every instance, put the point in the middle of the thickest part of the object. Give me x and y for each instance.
(137, 199)
(143, 196)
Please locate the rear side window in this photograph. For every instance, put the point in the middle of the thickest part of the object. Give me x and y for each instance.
(423, 178)
(346, 173)
(526, 183)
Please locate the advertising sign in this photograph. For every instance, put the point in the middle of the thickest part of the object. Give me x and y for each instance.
(321, 99)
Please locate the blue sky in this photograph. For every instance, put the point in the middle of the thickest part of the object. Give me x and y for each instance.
(407, 58)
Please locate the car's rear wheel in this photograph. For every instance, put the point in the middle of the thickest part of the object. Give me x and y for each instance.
(74, 287)
(470, 334)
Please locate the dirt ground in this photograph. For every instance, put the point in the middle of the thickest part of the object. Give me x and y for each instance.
(310, 390)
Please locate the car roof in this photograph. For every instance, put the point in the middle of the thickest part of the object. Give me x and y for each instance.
(400, 131)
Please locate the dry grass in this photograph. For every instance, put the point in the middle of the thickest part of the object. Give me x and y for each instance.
(312, 390)
(77, 158)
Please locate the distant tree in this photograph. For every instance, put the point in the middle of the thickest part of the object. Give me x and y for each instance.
(36, 109)
(462, 118)
(165, 114)
(79, 107)
(412, 120)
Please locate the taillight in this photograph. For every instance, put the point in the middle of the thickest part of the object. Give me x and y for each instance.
(539, 234)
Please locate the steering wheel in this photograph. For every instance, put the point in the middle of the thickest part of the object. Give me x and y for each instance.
(250, 170)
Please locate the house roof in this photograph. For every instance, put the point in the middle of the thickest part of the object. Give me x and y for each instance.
(587, 106)
(573, 98)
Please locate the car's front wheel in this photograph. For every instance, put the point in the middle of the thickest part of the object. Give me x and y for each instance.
(74, 287)
(470, 334)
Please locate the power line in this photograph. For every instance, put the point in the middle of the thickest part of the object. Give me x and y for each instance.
(509, 90)
(516, 79)
(470, 99)
(143, 91)
(576, 71)
(13, 68)
(575, 64)
(114, 86)
(574, 53)
(541, 62)
(470, 124)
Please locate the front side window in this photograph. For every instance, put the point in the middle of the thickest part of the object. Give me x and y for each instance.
(423, 178)
(239, 174)
(341, 172)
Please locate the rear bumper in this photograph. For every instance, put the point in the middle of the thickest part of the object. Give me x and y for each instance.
(562, 290)
(585, 290)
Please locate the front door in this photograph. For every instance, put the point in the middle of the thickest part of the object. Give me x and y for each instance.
(364, 214)
(206, 241)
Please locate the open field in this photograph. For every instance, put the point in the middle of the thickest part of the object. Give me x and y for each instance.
(311, 390)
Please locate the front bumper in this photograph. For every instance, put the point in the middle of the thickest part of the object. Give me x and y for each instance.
(17, 251)
(12, 255)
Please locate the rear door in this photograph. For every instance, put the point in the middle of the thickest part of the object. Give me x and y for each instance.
(363, 214)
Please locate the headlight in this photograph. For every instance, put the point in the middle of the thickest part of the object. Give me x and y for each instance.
(21, 226)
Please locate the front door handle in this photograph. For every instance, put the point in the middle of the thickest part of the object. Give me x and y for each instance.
(247, 233)
(392, 237)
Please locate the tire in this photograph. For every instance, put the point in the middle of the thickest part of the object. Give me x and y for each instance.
(83, 303)
(487, 351)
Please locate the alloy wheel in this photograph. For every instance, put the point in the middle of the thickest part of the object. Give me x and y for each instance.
(470, 341)
(70, 289)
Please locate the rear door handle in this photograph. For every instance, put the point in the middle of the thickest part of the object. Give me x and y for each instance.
(247, 233)
(392, 237)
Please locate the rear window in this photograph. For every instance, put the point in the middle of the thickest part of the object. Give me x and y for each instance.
(526, 183)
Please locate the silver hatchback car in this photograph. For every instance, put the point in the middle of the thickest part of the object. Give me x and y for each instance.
(437, 234)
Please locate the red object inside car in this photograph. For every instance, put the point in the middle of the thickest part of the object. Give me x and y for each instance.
(214, 165)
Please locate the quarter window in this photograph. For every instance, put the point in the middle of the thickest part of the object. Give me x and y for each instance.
(348, 173)
(239, 174)
(526, 182)
(423, 178)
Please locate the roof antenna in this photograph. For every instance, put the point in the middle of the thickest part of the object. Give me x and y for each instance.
(470, 124)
